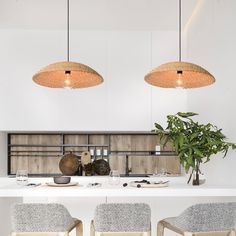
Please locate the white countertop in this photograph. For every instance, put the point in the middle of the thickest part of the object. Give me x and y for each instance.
(177, 188)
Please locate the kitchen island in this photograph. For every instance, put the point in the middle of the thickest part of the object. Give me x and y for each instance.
(81, 200)
(177, 187)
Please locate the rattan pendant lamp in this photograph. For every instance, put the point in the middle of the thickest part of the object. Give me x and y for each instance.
(179, 74)
(67, 74)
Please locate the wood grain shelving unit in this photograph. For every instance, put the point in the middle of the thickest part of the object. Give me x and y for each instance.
(40, 153)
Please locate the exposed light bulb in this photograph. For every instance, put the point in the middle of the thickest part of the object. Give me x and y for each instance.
(179, 79)
(67, 80)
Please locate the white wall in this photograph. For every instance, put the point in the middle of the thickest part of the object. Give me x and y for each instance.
(123, 102)
(211, 43)
(3, 154)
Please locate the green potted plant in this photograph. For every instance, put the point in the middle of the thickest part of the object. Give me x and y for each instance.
(194, 143)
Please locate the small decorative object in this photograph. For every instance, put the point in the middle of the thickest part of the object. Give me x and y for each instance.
(194, 143)
(61, 179)
(69, 164)
(92, 185)
(80, 169)
(85, 158)
(147, 184)
(101, 167)
(89, 169)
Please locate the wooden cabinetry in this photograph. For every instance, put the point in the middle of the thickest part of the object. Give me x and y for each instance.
(40, 153)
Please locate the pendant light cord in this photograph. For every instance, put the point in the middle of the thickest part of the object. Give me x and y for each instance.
(180, 30)
(68, 30)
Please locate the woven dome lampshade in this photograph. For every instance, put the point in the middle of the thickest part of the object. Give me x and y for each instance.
(179, 74)
(67, 74)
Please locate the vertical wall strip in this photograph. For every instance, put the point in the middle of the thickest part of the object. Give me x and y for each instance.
(180, 21)
(151, 86)
(68, 30)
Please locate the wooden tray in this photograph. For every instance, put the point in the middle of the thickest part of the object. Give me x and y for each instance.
(52, 184)
(151, 185)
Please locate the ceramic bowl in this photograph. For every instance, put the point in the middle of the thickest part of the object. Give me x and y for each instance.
(61, 179)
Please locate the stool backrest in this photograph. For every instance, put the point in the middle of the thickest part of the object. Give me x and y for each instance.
(40, 218)
(208, 217)
(122, 217)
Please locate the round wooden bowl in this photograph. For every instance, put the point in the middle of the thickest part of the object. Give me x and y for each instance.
(69, 164)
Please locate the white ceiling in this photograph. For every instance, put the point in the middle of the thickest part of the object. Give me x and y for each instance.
(95, 14)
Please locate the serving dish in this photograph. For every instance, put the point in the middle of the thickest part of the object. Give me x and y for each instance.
(147, 184)
(52, 184)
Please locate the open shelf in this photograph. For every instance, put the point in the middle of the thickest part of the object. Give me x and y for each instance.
(40, 153)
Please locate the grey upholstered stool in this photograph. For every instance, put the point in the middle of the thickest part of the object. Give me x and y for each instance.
(115, 219)
(203, 219)
(43, 219)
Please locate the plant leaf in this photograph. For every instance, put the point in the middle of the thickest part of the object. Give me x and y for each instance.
(186, 114)
(158, 126)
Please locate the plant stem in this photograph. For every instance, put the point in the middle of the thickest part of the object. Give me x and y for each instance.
(196, 180)
(190, 177)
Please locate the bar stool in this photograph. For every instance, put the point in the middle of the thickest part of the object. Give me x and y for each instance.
(202, 219)
(36, 219)
(122, 219)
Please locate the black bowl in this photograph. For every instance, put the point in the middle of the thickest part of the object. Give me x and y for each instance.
(61, 179)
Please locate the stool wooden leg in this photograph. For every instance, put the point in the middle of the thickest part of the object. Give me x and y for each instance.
(63, 234)
(188, 234)
(79, 229)
(232, 232)
(160, 229)
(92, 230)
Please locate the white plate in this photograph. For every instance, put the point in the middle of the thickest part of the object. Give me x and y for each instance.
(52, 184)
(151, 185)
